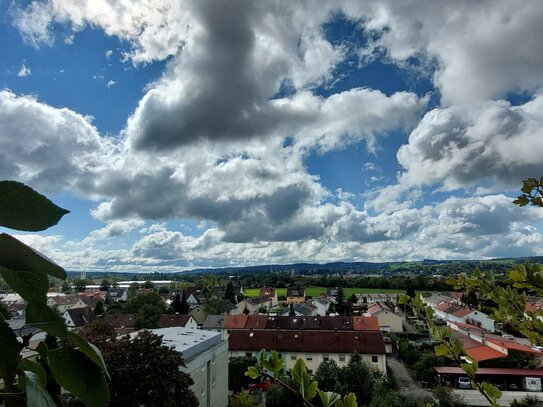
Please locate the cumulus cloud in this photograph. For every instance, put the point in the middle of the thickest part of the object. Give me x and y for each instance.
(47, 147)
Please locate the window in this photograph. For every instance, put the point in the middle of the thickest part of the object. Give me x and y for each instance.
(249, 354)
(374, 359)
(326, 357)
(293, 357)
(309, 358)
(342, 358)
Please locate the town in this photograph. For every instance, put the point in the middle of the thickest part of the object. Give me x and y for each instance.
(217, 328)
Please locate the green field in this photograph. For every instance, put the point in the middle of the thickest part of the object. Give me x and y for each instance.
(316, 291)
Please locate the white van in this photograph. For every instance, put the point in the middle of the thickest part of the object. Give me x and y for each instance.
(464, 382)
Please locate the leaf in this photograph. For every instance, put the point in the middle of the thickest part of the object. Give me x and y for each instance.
(328, 398)
(22, 208)
(27, 365)
(36, 393)
(492, 391)
(348, 401)
(90, 350)
(252, 372)
(31, 285)
(442, 350)
(15, 255)
(9, 354)
(38, 314)
(80, 376)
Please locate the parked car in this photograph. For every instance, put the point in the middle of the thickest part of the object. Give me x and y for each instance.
(464, 382)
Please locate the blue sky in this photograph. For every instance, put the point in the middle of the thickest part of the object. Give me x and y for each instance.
(216, 134)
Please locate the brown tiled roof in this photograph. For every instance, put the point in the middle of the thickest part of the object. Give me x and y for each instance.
(65, 299)
(235, 321)
(121, 320)
(295, 292)
(322, 323)
(268, 292)
(303, 341)
(377, 307)
(258, 300)
(256, 322)
(365, 323)
(170, 320)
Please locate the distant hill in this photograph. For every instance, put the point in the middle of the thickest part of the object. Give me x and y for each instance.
(427, 265)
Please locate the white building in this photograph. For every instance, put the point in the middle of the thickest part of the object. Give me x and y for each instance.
(206, 360)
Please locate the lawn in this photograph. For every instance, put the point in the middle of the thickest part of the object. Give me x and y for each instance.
(316, 291)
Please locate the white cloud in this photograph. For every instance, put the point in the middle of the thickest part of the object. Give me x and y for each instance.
(110, 84)
(24, 71)
(109, 54)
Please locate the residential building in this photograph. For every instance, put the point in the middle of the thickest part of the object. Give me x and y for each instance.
(116, 294)
(322, 304)
(177, 320)
(122, 323)
(199, 313)
(271, 293)
(389, 321)
(313, 347)
(254, 304)
(77, 317)
(454, 312)
(215, 323)
(295, 294)
(63, 302)
(305, 309)
(206, 360)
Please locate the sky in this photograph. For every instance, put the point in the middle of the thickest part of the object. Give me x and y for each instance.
(185, 134)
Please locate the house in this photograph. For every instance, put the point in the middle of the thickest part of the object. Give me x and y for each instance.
(63, 302)
(198, 313)
(122, 323)
(215, 323)
(77, 317)
(177, 320)
(194, 296)
(454, 312)
(318, 323)
(254, 304)
(91, 298)
(295, 294)
(362, 323)
(234, 322)
(332, 292)
(305, 309)
(117, 294)
(437, 299)
(322, 304)
(206, 360)
(313, 347)
(389, 321)
(271, 293)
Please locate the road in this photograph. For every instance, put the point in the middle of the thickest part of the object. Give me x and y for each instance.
(405, 383)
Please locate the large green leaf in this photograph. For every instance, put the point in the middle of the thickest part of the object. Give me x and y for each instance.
(90, 350)
(80, 376)
(38, 314)
(36, 393)
(15, 255)
(9, 353)
(31, 285)
(27, 365)
(22, 208)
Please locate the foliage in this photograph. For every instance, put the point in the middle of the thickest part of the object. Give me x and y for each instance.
(79, 370)
(277, 396)
(303, 389)
(242, 399)
(340, 301)
(358, 377)
(528, 401)
(137, 301)
(4, 311)
(447, 398)
(532, 192)
(147, 317)
(99, 308)
(229, 293)
(143, 370)
(328, 376)
(104, 286)
(237, 366)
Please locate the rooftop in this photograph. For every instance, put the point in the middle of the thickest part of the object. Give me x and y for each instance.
(188, 342)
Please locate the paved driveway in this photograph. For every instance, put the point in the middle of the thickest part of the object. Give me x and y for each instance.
(405, 383)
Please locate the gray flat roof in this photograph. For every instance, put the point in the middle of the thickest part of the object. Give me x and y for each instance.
(188, 342)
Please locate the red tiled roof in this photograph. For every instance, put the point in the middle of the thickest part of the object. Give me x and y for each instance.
(512, 345)
(482, 352)
(368, 342)
(378, 307)
(365, 324)
(235, 321)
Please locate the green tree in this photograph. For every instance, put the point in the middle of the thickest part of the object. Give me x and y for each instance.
(328, 375)
(148, 285)
(79, 370)
(359, 378)
(137, 301)
(243, 399)
(237, 366)
(147, 317)
(99, 308)
(80, 284)
(104, 286)
(229, 293)
(340, 301)
(144, 372)
(184, 309)
(66, 288)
